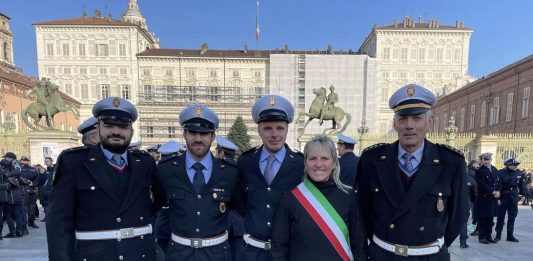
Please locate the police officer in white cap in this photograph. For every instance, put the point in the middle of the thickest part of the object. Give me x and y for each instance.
(412, 191)
(348, 160)
(153, 151)
(268, 171)
(89, 132)
(170, 148)
(200, 190)
(101, 200)
(488, 184)
(226, 149)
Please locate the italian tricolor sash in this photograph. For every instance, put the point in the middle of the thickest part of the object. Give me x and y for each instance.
(325, 216)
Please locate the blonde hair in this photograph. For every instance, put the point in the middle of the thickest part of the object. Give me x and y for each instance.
(324, 142)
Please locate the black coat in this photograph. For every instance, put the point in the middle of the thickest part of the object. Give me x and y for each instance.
(5, 193)
(199, 215)
(411, 217)
(86, 196)
(487, 183)
(511, 182)
(296, 236)
(262, 198)
(348, 163)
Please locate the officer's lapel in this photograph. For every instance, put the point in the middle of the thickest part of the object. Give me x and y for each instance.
(180, 167)
(253, 165)
(216, 173)
(289, 162)
(99, 168)
(136, 180)
(430, 169)
(388, 173)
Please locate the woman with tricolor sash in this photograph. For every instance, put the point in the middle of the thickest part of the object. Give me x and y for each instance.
(320, 218)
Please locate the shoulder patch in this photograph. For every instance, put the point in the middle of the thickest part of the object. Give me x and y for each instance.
(375, 146)
(252, 150)
(453, 149)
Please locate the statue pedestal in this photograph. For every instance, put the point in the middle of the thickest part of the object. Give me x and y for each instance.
(50, 144)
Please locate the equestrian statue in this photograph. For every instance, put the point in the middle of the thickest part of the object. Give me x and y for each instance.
(323, 109)
(48, 103)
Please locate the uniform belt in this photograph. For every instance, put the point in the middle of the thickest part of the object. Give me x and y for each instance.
(200, 242)
(402, 250)
(265, 245)
(114, 234)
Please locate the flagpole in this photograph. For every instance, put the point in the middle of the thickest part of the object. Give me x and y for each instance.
(257, 26)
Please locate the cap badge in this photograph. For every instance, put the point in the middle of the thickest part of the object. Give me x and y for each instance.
(272, 101)
(410, 90)
(116, 102)
(198, 111)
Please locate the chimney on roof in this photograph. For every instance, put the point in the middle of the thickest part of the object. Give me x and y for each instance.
(203, 48)
(459, 24)
(97, 13)
(395, 23)
(420, 19)
(434, 23)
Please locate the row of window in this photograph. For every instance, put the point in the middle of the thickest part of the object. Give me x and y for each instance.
(192, 93)
(103, 91)
(421, 54)
(82, 70)
(494, 112)
(420, 75)
(65, 49)
(213, 73)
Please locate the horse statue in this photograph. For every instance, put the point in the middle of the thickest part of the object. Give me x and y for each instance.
(51, 105)
(336, 115)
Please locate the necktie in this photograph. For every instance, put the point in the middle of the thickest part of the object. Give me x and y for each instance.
(408, 164)
(198, 180)
(118, 163)
(269, 171)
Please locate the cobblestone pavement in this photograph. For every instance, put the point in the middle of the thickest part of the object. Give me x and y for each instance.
(34, 248)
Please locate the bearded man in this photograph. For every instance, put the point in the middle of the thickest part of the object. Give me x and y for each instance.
(101, 203)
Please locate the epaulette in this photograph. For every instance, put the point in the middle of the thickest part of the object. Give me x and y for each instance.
(65, 151)
(75, 149)
(455, 150)
(167, 158)
(137, 151)
(229, 162)
(375, 146)
(297, 152)
(252, 150)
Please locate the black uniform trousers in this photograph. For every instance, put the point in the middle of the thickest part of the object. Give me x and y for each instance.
(509, 204)
(14, 218)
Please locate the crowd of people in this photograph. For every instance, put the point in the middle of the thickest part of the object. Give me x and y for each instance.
(406, 200)
(494, 194)
(21, 185)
